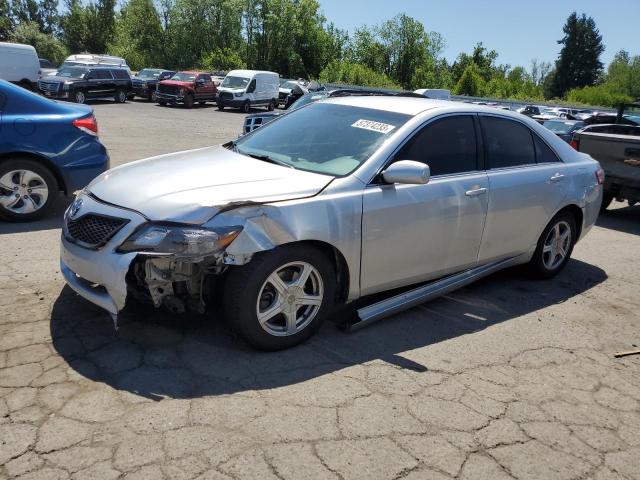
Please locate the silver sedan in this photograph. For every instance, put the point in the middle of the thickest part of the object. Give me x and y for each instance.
(336, 201)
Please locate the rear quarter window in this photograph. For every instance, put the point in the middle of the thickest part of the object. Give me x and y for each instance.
(121, 74)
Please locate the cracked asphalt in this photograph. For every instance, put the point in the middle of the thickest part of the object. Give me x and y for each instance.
(507, 378)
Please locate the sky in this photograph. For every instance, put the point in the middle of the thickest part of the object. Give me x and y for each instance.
(518, 30)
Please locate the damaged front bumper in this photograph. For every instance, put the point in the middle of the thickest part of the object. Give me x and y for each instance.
(99, 273)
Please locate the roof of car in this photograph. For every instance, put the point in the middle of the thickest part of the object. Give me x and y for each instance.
(406, 105)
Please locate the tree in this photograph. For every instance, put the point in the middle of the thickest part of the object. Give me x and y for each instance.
(539, 71)
(46, 45)
(578, 64)
(354, 74)
(6, 22)
(483, 59)
(74, 27)
(471, 82)
(138, 35)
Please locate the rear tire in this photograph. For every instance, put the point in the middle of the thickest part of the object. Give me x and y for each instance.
(162, 103)
(249, 293)
(202, 104)
(554, 246)
(188, 101)
(40, 189)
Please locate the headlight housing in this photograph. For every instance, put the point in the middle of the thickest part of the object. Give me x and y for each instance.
(179, 240)
(239, 94)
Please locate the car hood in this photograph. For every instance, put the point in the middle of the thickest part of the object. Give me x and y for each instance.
(56, 78)
(177, 83)
(193, 186)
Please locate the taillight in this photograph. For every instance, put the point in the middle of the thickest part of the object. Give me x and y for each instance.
(600, 176)
(574, 144)
(87, 124)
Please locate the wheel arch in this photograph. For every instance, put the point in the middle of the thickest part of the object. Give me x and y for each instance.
(337, 259)
(577, 213)
(55, 171)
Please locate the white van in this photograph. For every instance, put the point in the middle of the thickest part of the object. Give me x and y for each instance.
(19, 64)
(249, 88)
(435, 93)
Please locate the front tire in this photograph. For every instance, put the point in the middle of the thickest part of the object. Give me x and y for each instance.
(281, 297)
(246, 107)
(27, 190)
(554, 246)
(188, 101)
(272, 106)
(79, 96)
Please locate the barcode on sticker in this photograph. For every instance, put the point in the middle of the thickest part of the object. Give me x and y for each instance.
(373, 126)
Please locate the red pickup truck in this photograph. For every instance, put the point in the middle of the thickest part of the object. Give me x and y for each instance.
(187, 88)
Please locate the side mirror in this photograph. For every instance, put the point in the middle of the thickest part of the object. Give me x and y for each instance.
(407, 172)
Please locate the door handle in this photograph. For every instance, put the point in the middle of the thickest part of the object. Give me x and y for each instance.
(556, 177)
(475, 191)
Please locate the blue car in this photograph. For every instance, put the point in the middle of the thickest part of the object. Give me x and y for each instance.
(46, 147)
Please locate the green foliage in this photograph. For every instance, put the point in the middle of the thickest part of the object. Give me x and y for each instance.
(471, 82)
(88, 28)
(138, 35)
(579, 62)
(355, 74)
(600, 95)
(6, 21)
(46, 45)
(222, 59)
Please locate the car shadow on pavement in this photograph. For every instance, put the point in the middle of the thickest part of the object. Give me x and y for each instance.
(156, 355)
(626, 220)
(51, 221)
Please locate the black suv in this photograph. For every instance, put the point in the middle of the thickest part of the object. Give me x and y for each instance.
(145, 82)
(79, 84)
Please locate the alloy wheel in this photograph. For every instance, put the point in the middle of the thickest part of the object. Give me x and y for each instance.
(289, 299)
(556, 245)
(23, 191)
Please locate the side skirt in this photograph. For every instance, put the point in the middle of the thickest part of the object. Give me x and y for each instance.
(390, 306)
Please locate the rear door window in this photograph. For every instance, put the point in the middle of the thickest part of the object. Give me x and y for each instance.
(103, 75)
(507, 143)
(447, 145)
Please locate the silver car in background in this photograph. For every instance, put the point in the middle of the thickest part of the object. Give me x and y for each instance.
(338, 200)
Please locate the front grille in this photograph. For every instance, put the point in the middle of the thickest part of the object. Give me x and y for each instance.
(51, 87)
(252, 122)
(226, 95)
(93, 230)
(169, 89)
(136, 83)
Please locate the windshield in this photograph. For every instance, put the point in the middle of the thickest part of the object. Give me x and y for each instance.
(149, 73)
(289, 85)
(306, 99)
(562, 127)
(235, 82)
(184, 77)
(72, 72)
(323, 137)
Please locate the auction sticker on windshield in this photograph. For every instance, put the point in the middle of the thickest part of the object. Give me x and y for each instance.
(373, 126)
